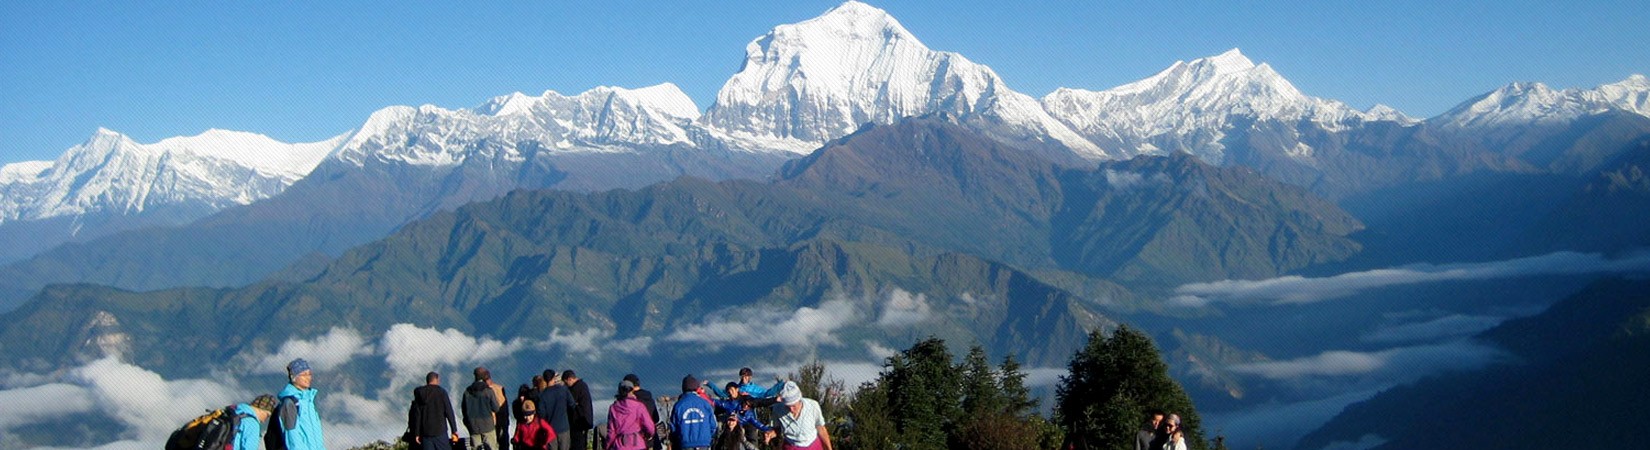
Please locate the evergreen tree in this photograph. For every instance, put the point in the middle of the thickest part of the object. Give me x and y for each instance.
(981, 393)
(1111, 384)
(1017, 398)
(923, 392)
(873, 426)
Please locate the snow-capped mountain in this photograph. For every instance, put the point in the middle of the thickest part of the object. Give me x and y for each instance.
(1519, 104)
(806, 83)
(110, 173)
(604, 119)
(1187, 106)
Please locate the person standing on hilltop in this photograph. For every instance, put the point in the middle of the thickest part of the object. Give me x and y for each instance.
(480, 406)
(801, 422)
(554, 403)
(430, 418)
(693, 420)
(297, 423)
(628, 427)
(249, 433)
(581, 418)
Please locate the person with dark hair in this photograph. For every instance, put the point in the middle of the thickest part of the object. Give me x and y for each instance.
(430, 418)
(297, 424)
(692, 421)
(554, 402)
(479, 405)
(532, 433)
(581, 417)
(646, 397)
(628, 427)
(1143, 439)
(748, 386)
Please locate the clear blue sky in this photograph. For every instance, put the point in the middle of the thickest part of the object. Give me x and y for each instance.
(301, 71)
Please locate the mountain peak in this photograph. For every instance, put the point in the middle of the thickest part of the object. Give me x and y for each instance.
(1229, 62)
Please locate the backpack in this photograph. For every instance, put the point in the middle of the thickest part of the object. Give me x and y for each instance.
(213, 430)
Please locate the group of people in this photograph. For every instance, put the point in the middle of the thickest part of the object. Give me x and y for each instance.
(1162, 432)
(554, 412)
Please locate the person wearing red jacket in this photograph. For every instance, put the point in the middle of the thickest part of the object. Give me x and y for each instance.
(532, 433)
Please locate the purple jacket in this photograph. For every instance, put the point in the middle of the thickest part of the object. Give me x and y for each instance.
(628, 426)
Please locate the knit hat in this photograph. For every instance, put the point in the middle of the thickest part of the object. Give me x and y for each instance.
(1174, 419)
(690, 384)
(790, 394)
(296, 367)
(625, 387)
(264, 402)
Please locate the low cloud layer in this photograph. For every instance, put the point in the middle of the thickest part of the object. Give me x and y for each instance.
(1299, 290)
(1402, 363)
(1432, 330)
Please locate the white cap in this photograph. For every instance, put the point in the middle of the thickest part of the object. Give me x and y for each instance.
(790, 394)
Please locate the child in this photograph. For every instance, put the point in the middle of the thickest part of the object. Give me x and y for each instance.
(532, 433)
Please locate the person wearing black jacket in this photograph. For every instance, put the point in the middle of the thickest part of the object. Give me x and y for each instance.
(581, 414)
(430, 419)
(555, 403)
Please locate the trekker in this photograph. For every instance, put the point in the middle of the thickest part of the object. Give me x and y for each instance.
(627, 425)
(430, 417)
(554, 403)
(480, 405)
(524, 395)
(299, 422)
(748, 386)
(1143, 439)
(693, 420)
(249, 434)
(532, 433)
(582, 417)
(801, 423)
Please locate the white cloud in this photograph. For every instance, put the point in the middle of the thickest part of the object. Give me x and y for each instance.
(806, 327)
(903, 309)
(1447, 327)
(412, 351)
(1279, 425)
(45, 402)
(324, 353)
(1043, 376)
(1396, 363)
(1296, 289)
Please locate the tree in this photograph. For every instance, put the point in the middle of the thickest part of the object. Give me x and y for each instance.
(923, 392)
(981, 394)
(1111, 384)
(871, 426)
(1016, 396)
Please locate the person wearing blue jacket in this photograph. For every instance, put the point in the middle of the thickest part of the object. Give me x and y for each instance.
(249, 432)
(693, 420)
(300, 422)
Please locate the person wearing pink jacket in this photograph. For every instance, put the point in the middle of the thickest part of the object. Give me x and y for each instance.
(628, 425)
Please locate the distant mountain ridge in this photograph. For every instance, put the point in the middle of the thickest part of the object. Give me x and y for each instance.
(802, 86)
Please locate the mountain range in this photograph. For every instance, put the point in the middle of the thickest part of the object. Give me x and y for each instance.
(800, 86)
(846, 173)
